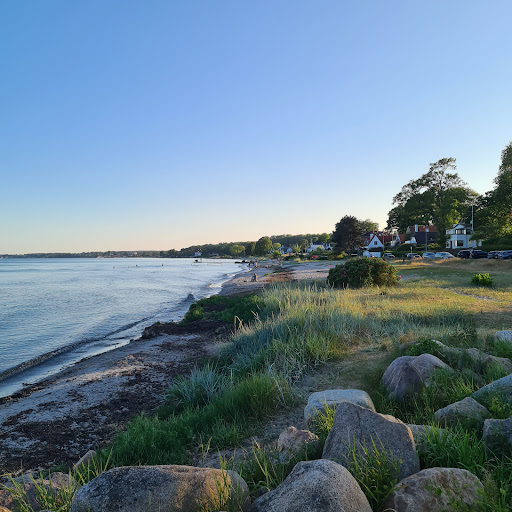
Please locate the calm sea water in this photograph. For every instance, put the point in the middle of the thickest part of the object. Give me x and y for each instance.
(54, 312)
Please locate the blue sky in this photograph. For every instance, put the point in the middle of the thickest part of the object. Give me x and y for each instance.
(162, 124)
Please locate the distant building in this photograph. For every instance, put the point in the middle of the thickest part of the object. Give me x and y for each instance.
(420, 234)
(459, 237)
(378, 241)
(197, 254)
(324, 247)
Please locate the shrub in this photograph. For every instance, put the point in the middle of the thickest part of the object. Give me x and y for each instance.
(359, 272)
(482, 280)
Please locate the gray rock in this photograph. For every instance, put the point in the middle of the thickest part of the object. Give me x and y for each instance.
(421, 433)
(332, 398)
(86, 459)
(436, 490)
(2, 509)
(357, 428)
(29, 484)
(465, 411)
(291, 441)
(480, 359)
(502, 387)
(162, 488)
(315, 486)
(503, 336)
(497, 435)
(407, 374)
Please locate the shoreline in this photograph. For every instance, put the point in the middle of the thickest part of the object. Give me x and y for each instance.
(43, 361)
(85, 404)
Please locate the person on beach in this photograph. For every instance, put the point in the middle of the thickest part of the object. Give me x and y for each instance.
(254, 277)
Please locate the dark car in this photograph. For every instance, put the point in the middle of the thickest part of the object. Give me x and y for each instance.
(505, 255)
(491, 255)
(472, 253)
(477, 253)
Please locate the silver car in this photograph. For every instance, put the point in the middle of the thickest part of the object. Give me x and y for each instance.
(429, 255)
(443, 255)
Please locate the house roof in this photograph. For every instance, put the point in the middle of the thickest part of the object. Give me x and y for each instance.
(422, 229)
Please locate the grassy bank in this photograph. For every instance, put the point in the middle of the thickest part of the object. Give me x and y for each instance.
(299, 329)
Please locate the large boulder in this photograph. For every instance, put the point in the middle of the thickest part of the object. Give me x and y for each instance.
(436, 490)
(162, 488)
(501, 387)
(291, 441)
(357, 430)
(407, 374)
(479, 359)
(317, 402)
(315, 486)
(467, 412)
(503, 336)
(497, 435)
(28, 485)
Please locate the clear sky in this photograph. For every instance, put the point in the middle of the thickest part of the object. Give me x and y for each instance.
(161, 124)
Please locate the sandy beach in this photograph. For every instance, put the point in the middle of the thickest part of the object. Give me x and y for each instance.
(85, 405)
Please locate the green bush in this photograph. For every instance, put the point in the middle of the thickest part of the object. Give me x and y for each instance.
(359, 272)
(482, 280)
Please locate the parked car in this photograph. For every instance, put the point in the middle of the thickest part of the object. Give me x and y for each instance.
(413, 255)
(505, 255)
(492, 255)
(472, 253)
(429, 255)
(388, 256)
(444, 255)
(478, 253)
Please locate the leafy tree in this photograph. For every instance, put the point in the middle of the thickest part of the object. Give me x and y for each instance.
(263, 246)
(304, 244)
(323, 238)
(276, 255)
(368, 225)
(493, 212)
(236, 249)
(347, 234)
(438, 196)
(276, 246)
(250, 247)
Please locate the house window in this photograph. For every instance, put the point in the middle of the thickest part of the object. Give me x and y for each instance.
(460, 243)
(460, 231)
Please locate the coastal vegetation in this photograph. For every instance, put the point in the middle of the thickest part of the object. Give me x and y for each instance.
(297, 332)
(300, 327)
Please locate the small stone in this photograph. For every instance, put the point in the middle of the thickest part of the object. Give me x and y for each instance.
(292, 441)
(465, 411)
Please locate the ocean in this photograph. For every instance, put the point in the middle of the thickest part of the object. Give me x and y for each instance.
(54, 312)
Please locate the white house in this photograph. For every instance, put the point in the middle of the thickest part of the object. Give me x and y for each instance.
(197, 254)
(460, 235)
(285, 250)
(313, 247)
(374, 243)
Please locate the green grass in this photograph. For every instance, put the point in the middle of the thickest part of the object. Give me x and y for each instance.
(293, 327)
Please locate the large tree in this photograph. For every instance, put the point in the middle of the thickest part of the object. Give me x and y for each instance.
(347, 233)
(493, 213)
(439, 197)
(263, 246)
